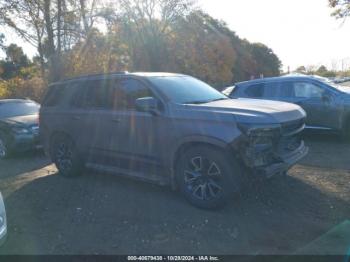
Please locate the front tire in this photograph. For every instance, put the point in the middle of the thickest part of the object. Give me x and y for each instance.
(66, 157)
(207, 177)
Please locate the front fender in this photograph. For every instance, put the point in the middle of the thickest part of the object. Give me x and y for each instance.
(192, 140)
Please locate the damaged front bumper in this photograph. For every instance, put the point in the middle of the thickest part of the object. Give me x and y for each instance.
(284, 164)
(272, 151)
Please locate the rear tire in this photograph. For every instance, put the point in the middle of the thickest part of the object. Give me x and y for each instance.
(207, 177)
(66, 157)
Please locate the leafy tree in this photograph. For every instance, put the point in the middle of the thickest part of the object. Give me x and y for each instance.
(267, 62)
(140, 35)
(195, 48)
(322, 70)
(98, 54)
(301, 70)
(15, 61)
(341, 8)
(146, 25)
(16, 55)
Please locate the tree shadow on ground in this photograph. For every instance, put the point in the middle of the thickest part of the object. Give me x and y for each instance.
(106, 214)
(23, 163)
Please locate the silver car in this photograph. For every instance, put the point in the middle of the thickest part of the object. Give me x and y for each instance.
(327, 105)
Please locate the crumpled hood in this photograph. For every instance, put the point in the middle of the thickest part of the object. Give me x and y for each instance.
(255, 110)
(22, 120)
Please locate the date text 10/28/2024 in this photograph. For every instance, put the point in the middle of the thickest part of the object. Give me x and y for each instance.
(173, 258)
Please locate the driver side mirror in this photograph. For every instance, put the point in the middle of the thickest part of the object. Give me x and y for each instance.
(147, 104)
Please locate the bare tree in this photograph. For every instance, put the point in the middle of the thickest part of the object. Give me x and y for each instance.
(51, 26)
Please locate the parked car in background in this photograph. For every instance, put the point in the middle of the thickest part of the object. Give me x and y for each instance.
(169, 129)
(327, 105)
(3, 221)
(19, 126)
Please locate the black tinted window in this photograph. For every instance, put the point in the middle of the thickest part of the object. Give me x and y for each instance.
(125, 93)
(97, 95)
(77, 91)
(273, 89)
(92, 94)
(287, 89)
(256, 90)
(54, 95)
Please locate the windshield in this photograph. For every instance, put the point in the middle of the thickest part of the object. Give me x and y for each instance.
(339, 87)
(186, 90)
(18, 109)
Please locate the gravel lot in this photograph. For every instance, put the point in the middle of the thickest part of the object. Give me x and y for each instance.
(106, 214)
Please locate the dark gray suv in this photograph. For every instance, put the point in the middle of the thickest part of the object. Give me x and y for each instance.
(327, 105)
(170, 129)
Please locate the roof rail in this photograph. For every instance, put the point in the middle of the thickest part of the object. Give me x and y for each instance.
(94, 75)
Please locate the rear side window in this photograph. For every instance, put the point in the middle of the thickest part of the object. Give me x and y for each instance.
(255, 90)
(287, 89)
(97, 94)
(273, 90)
(92, 94)
(307, 90)
(54, 95)
(126, 91)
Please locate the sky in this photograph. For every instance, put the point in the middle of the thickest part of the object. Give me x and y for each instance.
(300, 32)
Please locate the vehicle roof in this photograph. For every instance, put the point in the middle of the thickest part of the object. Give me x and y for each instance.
(273, 79)
(99, 76)
(6, 101)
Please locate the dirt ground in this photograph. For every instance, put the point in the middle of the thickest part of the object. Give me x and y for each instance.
(106, 214)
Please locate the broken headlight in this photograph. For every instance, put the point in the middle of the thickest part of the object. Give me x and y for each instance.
(260, 143)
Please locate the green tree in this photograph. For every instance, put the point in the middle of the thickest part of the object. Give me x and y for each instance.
(322, 70)
(15, 55)
(195, 48)
(267, 62)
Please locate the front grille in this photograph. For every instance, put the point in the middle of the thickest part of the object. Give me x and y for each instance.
(291, 137)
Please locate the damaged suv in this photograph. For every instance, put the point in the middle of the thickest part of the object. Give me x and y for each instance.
(169, 129)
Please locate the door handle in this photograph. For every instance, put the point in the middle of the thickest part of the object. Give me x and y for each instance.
(76, 117)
